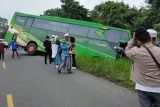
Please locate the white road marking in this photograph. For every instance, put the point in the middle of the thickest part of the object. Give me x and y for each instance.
(4, 65)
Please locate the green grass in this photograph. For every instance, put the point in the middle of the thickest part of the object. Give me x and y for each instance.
(117, 71)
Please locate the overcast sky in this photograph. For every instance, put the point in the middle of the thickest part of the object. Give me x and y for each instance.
(37, 7)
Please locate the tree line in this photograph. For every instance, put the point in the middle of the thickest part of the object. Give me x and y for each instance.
(3, 27)
(110, 13)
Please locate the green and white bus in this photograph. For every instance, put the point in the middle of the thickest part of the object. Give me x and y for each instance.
(92, 38)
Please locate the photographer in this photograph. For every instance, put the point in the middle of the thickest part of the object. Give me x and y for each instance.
(146, 68)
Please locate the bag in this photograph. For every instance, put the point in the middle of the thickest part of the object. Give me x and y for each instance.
(155, 60)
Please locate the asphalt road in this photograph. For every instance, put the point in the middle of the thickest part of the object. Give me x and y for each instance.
(31, 83)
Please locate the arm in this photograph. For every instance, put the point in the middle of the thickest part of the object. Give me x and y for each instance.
(131, 50)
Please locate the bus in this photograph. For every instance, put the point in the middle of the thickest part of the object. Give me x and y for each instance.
(92, 39)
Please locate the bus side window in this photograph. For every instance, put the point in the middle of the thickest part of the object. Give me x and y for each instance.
(78, 30)
(113, 35)
(96, 33)
(29, 22)
(20, 20)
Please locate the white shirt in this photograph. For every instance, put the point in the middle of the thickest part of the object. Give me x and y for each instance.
(147, 89)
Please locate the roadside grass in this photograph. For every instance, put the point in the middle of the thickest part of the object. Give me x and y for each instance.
(116, 71)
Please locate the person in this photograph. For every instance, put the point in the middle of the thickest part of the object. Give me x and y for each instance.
(153, 34)
(58, 58)
(2, 47)
(14, 47)
(145, 70)
(73, 51)
(66, 55)
(54, 47)
(48, 50)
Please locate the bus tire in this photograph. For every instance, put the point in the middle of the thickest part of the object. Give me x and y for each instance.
(31, 48)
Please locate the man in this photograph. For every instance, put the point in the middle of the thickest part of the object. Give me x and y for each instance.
(2, 47)
(153, 35)
(145, 71)
(14, 46)
(48, 49)
(66, 55)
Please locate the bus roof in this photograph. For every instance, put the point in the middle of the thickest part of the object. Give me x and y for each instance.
(69, 21)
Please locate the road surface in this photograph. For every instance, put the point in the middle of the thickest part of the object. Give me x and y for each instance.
(28, 82)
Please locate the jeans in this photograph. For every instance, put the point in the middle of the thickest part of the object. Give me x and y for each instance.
(73, 60)
(13, 51)
(2, 56)
(149, 99)
(48, 53)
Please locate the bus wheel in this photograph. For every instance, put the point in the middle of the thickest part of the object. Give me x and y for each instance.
(31, 48)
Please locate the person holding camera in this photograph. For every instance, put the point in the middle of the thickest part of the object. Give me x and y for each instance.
(146, 67)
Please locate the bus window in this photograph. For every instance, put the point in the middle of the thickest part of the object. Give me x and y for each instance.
(29, 22)
(78, 30)
(43, 24)
(50, 25)
(125, 36)
(21, 20)
(59, 27)
(113, 35)
(95, 33)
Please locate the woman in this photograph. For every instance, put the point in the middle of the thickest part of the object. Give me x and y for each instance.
(58, 58)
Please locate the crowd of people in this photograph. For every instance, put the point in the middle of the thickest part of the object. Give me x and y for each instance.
(142, 49)
(61, 52)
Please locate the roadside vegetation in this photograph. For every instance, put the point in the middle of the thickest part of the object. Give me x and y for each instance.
(116, 71)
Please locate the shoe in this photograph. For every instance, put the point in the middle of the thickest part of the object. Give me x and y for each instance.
(73, 67)
(69, 72)
(59, 71)
(56, 66)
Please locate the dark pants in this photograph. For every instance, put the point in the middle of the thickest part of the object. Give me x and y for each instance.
(149, 99)
(15, 51)
(49, 53)
(2, 56)
(73, 60)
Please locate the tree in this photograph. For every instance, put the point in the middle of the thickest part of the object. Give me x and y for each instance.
(69, 9)
(154, 13)
(3, 27)
(54, 12)
(154, 3)
(118, 14)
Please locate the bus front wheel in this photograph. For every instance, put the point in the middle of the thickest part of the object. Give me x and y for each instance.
(31, 48)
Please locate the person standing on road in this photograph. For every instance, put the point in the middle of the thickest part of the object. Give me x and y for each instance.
(54, 47)
(66, 55)
(73, 50)
(14, 46)
(48, 49)
(58, 57)
(2, 47)
(146, 68)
